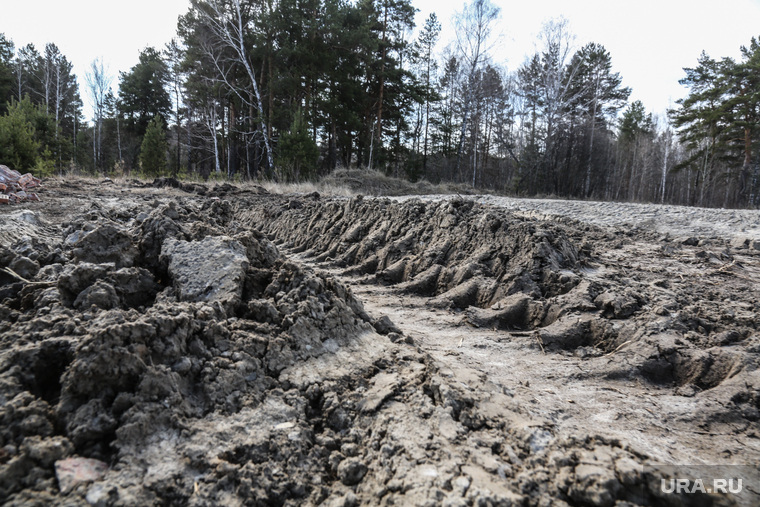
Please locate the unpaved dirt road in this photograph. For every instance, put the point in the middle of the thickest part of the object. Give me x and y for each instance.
(199, 345)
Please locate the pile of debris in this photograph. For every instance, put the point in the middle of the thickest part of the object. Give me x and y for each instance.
(14, 187)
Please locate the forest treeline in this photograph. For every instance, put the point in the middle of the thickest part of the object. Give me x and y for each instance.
(293, 89)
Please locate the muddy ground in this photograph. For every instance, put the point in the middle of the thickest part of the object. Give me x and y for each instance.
(212, 345)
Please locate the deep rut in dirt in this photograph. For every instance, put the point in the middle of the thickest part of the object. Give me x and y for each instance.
(648, 338)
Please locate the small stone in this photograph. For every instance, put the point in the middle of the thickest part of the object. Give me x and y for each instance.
(25, 267)
(47, 451)
(99, 495)
(351, 471)
(183, 365)
(385, 325)
(100, 294)
(461, 484)
(71, 472)
(383, 388)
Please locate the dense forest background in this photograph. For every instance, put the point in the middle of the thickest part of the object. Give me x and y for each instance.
(293, 89)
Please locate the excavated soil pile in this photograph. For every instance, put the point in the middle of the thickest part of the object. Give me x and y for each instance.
(464, 254)
(156, 349)
(682, 315)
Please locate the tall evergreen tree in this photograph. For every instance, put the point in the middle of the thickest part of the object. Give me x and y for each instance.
(599, 92)
(701, 122)
(143, 92)
(426, 43)
(27, 137)
(298, 152)
(7, 51)
(742, 107)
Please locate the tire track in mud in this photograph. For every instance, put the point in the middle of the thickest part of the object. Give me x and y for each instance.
(565, 394)
(652, 337)
(677, 221)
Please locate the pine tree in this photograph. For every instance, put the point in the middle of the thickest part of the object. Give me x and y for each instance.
(154, 148)
(426, 43)
(700, 121)
(742, 109)
(27, 137)
(598, 91)
(6, 72)
(143, 91)
(18, 147)
(298, 152)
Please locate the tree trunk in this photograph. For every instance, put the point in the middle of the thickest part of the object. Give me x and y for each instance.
(383, 53)
(587, 185)
(665, 168)
(747, 165)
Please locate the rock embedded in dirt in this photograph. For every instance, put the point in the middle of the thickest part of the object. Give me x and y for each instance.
(210, 270)
(384, 325)
(105, 244)
(619, 306)
(383, 388)
(100, 294)
(351, 471)
(73, 471)
(25, 267)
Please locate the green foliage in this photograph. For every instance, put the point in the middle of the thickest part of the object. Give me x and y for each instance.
(143, 93)
(27, 136)
(50, 100)
(635, 121)
(18, 148)
(45, 165)
(154, 148)
(719, 119)
(298, 153)
(6, 73)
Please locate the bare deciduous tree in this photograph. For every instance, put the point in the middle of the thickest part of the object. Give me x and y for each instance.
(473, 31)
(225, 22)
(98, 84)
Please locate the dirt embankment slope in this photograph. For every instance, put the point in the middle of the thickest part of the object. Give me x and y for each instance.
(156, 348)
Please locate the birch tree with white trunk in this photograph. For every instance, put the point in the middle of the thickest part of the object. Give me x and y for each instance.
(98, 84)
(474, 27)
(224, 20)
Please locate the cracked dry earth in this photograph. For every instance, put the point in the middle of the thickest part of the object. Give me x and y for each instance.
(201, 345)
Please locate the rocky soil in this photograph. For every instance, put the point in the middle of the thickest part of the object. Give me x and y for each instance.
(212, 345)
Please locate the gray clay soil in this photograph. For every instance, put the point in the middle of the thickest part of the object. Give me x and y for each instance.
(211, 345)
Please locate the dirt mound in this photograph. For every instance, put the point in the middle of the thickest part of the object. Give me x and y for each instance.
(168, 359)
(111, 347)
(467, 254)
(366, 182)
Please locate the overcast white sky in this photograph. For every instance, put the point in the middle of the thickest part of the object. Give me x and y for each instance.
(650, 41)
